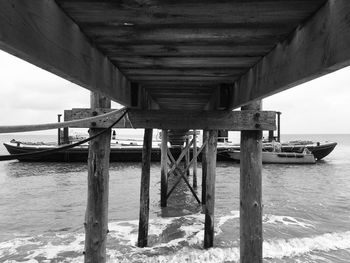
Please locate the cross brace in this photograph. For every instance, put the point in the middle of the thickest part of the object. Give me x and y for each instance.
(182, 173)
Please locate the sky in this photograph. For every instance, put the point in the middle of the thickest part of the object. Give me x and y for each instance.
(30, 95)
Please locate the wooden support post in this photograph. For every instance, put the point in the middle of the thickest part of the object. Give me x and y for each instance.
(66, 117)
(164, 169)
(271, 136)
(279, 126)
(204, 165)
(195, 159)
(250, 194)
(187, 156)
(144, 191)
(210, 190)
(59, 130)
(96, 217)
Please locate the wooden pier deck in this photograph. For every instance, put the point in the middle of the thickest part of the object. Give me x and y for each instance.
(178, 65)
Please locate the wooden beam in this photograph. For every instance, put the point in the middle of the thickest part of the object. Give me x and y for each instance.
(42, 34)
(317, 47)
(96, 216)
(164, 169)
(210, 190)
(172, 119)
(251, 235)
(215, 63)
(187, 50)
(144, 192)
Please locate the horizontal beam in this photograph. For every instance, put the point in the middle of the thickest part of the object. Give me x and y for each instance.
(42, 34)
(166, 119)
(318, 47)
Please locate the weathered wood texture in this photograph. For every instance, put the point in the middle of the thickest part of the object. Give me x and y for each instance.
(144, 191)
(210, 190)
(194, 159)
(317, 47)
(166, 119)
(204, 165)
(164, 169)
(96, 217)
(251, 234)
(42, 34)
(187, 42)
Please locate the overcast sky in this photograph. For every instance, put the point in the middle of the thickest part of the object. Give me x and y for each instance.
(30, 95)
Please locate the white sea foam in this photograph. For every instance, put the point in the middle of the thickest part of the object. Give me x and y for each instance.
(280, 248)
(286, 220)
(185, 247)
(273, 249)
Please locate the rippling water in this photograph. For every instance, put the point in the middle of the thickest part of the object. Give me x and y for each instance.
(306, 212)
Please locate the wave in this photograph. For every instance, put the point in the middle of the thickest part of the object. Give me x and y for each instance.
(176, 239)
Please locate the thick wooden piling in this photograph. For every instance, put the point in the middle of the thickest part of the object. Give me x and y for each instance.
(210, 190)
(96, 217)
(250, 194)
(164, 169)
(195, 159)
(204, 165)
(144, 191)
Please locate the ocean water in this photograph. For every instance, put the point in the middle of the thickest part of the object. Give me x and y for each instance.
(306, 213)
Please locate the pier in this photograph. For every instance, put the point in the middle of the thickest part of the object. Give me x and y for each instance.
(180, 67)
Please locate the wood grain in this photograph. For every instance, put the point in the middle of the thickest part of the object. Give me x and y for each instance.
(42, 34)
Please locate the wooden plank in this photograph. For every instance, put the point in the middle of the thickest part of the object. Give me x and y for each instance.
(199, 72)
(201, 33)
(210, 190)
(186, 50)
(169, 12)
(215, 63)
(318, 47)
(251, 235)
(155, 77)
(204, 164)
(164, 169)
(144, 192)
(42, 34)
(96, 216)
(167, 119)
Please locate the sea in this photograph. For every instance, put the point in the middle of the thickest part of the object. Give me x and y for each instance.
(306, 211)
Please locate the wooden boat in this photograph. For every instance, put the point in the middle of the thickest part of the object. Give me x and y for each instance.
(319, 150)
(279, 157)
(121, 151)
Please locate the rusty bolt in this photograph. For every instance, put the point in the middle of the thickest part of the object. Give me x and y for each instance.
(94, 113)
(93, 124)
(257, 125)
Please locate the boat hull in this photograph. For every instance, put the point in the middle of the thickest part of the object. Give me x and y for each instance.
(80, 154)
(280, 157)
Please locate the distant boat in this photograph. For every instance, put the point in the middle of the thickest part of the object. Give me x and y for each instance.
(279, 157)
(319, 150)
(121, 151)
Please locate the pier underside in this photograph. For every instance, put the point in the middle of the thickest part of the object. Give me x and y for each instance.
(179, 66)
